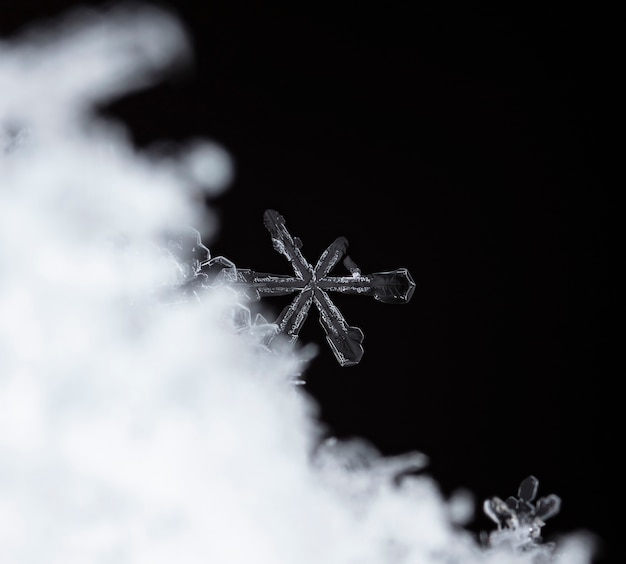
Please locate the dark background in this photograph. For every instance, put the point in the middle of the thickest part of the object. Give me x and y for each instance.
(459, 146)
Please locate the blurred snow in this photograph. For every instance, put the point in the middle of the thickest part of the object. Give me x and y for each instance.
(134, 430)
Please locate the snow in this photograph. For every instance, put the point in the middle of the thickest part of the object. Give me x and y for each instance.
(139, 429)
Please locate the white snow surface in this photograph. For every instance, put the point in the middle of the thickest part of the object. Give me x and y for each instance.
(133, 430)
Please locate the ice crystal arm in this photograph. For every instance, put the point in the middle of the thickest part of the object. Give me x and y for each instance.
(285, 244)
(527, 490)
(345, 341)
(330, 257)
(547, 507)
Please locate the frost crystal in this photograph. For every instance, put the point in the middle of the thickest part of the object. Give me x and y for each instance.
(311, 286)
(520, 520)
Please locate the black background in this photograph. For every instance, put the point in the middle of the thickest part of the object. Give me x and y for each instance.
(460, 146)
